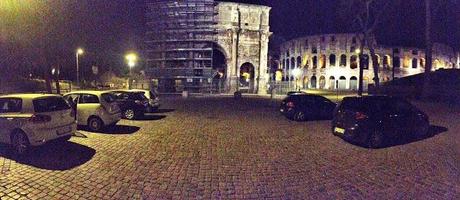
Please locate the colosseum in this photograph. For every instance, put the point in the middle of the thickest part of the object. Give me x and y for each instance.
(331, 61)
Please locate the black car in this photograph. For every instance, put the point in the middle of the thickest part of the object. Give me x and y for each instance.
(132, 104)
(374, 120)
(295, 92)
(301, 107)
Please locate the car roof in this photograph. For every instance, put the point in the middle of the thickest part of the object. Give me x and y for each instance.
(304, 95)
(125, 90)
(95, 92)
(370, 97)
(29, 96)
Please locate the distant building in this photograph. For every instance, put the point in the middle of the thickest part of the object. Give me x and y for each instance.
(205, 46)
(330, 59)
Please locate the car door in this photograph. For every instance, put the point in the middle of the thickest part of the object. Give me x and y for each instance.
(87, 106)
(399, 118)
(325, 107)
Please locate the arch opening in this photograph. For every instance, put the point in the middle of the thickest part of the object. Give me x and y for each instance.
(246, 80)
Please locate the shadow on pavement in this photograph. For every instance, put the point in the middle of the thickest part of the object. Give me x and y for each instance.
(151, 117)
(164, 110)
(120, 129)
(52, 156)
(433, 131)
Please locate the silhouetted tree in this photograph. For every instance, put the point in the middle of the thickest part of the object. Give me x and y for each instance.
(366, 15)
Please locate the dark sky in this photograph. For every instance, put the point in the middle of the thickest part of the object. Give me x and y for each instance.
(119, 24)
(109, 28)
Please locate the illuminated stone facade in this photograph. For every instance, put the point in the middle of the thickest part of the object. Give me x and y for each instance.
(331, 61)
(243, 35)
(184, 38)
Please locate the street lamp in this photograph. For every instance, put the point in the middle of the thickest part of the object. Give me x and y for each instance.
(297, 72)
(79, 52)
(131, 60)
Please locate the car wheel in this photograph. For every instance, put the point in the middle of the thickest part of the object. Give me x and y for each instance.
(129, 114)
(95, 124)
(300, 116)
(20, 142)
(375, 140)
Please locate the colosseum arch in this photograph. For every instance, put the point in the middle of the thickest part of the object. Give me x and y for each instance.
(299, 62)
(414, 63)
(322, 61)
(332, 60)
(422, 62)
(343, 60)
(313, 82)
(386, 61)
(353, 83)
(332, 82)
(322, 82)
(342, 83)
(315, 62)
(354, 62)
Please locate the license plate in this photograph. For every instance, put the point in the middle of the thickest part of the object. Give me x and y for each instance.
(339, 130)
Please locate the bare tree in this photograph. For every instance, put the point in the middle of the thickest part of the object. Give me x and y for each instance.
(366, 15)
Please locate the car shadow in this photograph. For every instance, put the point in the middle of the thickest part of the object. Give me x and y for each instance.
(432, 132)
(164, 110)
(151, 117)
(52, 156)
(117, 129)
(120, 130)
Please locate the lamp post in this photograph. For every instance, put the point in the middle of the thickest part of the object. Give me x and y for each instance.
(131, 60)
(79, 52)
(297, 72)
(361, 71)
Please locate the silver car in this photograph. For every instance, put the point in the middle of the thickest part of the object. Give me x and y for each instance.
(95, 109)
(33, 119)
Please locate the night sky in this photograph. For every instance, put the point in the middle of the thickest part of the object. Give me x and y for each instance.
(106, 29)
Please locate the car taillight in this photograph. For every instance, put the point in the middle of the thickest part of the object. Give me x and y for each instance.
(40, 118)
(360, 116)
(290, 104)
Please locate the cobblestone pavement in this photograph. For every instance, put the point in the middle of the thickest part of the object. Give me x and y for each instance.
(220, 148)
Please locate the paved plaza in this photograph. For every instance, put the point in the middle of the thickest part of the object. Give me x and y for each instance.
(221, 148)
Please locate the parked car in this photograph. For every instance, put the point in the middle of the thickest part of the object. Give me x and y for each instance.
(301, 107)
(95, 109)
(374, 120)
(33, 119)
(132, 104)
(295, 92)
(153, 99)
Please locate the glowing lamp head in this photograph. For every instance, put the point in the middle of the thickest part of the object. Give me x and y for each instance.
(131, 59)
(80, 51)
(358, 51)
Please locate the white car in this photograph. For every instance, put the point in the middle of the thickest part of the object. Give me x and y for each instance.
(95, 109)
(33, 119)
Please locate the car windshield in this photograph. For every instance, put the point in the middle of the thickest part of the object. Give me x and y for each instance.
(108, 97)
(50, 104)
(10, 105)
